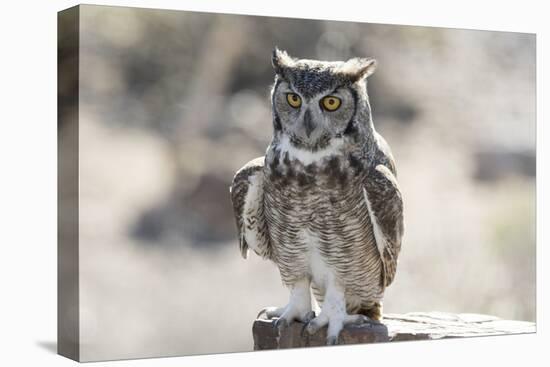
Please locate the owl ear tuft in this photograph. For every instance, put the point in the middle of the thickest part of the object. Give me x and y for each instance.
(360, 68)
(281, 60)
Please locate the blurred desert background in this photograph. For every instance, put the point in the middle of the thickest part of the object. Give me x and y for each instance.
(172, 103)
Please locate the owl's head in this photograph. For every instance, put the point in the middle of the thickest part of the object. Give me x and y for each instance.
(317, 101)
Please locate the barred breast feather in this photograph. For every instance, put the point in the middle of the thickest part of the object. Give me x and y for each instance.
(342, 213)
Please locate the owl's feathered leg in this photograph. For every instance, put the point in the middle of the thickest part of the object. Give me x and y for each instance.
(333, 313)
(298, 307)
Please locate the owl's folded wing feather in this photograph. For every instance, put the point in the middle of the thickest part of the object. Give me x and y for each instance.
(385, 205)
(247, 198)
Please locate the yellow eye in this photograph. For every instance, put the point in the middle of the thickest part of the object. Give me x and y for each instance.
(294, 100)
(331, 103)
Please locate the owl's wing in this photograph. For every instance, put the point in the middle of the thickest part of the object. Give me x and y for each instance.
(247, 198)
(385, 205)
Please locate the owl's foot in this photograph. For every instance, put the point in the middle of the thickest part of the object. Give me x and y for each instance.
(275, 313)
(334, 326)
(334, 314)
(289, 315)
(315, 324)
(298, 308)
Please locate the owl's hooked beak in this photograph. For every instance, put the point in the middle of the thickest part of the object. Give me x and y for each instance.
(308, 123)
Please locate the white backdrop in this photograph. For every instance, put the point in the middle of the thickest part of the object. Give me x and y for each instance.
(28, 191)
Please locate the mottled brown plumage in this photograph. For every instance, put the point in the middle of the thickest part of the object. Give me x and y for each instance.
(323, 204)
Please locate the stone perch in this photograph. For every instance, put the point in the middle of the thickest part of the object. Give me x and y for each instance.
(394, 327)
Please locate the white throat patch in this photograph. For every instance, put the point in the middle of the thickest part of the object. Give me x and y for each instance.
(305, 156)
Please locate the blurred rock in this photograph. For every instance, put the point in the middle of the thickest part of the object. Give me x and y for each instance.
(495, 164)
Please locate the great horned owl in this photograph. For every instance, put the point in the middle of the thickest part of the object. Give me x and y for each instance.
(323, 204)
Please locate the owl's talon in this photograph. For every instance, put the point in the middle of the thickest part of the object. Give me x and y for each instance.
(280, 323)
(308, 317)
(365, 320)
(362, 319)
(357, 320)
(270, 312)
(312, 327)
(332, 340)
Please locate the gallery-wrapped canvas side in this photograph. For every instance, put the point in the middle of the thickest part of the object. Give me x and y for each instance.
(67, 164)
